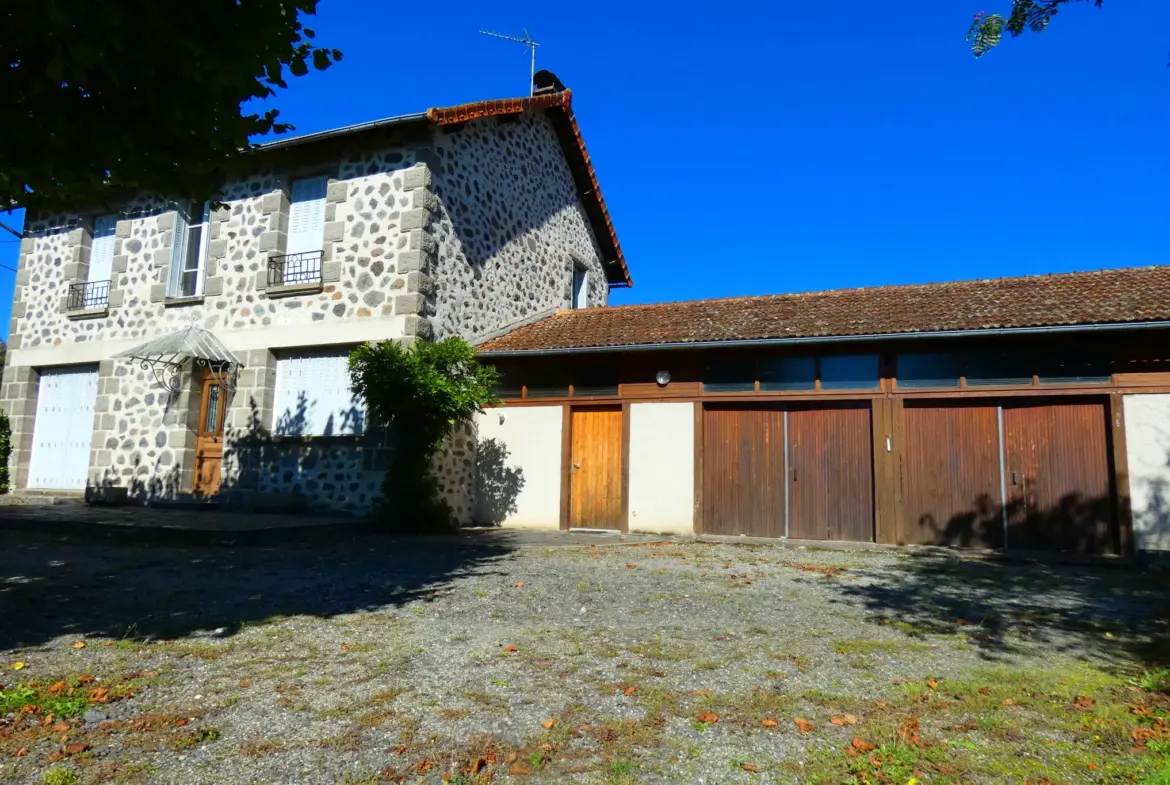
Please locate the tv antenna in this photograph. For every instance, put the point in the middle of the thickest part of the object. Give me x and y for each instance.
(528, 42)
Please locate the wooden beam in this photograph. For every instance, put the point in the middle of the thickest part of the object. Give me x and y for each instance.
(697, 520)
(625, 467)
(885, 491)
(1123, 509)
(566, 464)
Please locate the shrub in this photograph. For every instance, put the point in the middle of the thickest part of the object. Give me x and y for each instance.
(421, 394)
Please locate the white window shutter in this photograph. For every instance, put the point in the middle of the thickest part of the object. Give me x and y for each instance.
(101, 251)
(318, 383)
(178, 252)
(306, 219)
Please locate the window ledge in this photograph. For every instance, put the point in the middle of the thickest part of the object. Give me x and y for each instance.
(179, 302)
(293, 289)
(318, 438)
(89, 313)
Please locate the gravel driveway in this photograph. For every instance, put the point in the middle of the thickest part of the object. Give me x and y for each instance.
(566, 659)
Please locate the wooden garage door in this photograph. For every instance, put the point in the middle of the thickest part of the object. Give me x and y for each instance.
(951, 475)
(1056, 463)
(595, 475)
(830, 482)
(743, 471)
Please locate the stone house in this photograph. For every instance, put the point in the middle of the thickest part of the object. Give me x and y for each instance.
(168, 348)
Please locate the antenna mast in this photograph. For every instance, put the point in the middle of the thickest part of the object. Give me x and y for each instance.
(528, 42)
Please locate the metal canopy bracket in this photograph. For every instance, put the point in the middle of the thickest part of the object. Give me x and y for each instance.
(166, 356)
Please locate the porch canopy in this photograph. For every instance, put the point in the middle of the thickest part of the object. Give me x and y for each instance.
(167, 355)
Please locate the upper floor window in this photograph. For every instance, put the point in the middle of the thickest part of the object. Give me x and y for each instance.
(101, 250)
(580, 287)
(192, 235)
(306, 217)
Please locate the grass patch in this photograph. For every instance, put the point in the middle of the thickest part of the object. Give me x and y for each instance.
(59, 776)
(800, 662)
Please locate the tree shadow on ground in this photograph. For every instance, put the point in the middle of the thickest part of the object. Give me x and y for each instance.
(53, 586)
(1106, 613)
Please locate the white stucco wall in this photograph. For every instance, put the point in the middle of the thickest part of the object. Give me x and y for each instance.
(530, 438)
(1147, 437)
(662, 467)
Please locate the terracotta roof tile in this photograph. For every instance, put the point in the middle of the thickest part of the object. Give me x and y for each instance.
(1136, 294)
(565, 122)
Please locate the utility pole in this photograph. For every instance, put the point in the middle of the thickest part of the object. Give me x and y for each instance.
(528, 42)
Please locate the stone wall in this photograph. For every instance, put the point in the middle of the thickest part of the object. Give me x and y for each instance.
(509, 227)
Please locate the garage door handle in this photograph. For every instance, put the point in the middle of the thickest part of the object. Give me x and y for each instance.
(1015, 478)
(795, 473)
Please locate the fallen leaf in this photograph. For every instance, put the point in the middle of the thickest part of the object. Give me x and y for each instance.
(844, 719)
(76, 749)
(1092, 767)
(245, 683)
(984, 690)
(512, 756)
(99, 695)
(631, 566)
(1084, 702)
(881, 705)
(18, 665)
(861, 745)
(747, 767)
(1008, 702)
(79, 645)
(85, 678)
(708, 717)
(850, 719)
(960, 622)
(519, 769)
(702, 575)
(769, 723)
(804, 725)
(932, 683)
(61, 727)
(56, 756)
(511, 647)
(1110, 636)
(628, 691)
(180, 723)
(57, 688)
(548, 723)
(837, 720)
(20, 753)
(400, 749)
(519, 584)
(425, 766)
(593, 556)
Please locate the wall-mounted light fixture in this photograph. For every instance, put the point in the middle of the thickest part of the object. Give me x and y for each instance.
(663, 378)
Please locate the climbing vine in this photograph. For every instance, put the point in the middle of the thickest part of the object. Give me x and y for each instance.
(419, 395)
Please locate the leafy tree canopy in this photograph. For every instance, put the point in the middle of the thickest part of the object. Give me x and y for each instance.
(123, 96)
(987, 30)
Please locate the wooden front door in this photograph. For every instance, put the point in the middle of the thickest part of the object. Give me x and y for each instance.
(595, 470)
(1056, 462)
(951, 475)
(209, 442)
(743, 471)
(830, 473)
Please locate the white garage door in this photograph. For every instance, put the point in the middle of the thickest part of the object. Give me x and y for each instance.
(63, 428)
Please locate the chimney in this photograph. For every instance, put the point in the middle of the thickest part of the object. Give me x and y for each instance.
(544, 82)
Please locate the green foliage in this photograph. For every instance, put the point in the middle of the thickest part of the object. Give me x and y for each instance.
(118, 98)
(421, 394)
(987, 30)
(1156, 680)
(60, 776)
(13, 699)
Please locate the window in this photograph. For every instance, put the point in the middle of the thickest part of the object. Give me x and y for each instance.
(990, 369)
(1085, 367)
(788, 373)
(849, 372)
(551, 383)
(313, 397)
(595, 380)
(306, 217)
(101, 252)
(732, 376)
(580, 287)
(929, 370)
(192, 234)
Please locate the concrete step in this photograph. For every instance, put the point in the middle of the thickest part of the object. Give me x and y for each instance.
(34, 498)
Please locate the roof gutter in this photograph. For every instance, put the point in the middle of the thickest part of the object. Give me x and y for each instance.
(757, 342)
(345, 129)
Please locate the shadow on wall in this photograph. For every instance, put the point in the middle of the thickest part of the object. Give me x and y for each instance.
(1075, 523)
(56, 586)
(497, 486)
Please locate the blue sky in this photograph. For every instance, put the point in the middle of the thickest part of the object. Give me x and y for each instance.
(779, 147)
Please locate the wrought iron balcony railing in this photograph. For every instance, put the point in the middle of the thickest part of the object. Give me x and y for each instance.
(294, 268)
(88, 296)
